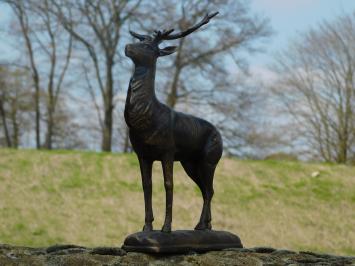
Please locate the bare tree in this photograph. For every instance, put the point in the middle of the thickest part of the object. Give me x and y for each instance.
(46, 40)
(236, 109)
(67, 132)
(199, 78)
(316, 83)
(206, 59)
(15, 104)
(3, 112)
(96, 25)
(20, 12)
(203, 76)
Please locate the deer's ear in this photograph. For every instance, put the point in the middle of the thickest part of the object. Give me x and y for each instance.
(167, 50)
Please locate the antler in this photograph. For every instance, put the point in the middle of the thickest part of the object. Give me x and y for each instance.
(166, 34)
(140, 37)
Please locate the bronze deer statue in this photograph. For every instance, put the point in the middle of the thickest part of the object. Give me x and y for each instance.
(158, 133)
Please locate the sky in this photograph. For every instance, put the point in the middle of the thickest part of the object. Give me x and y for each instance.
(288, 18)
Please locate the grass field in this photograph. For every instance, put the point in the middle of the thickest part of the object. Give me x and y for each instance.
(93, 199)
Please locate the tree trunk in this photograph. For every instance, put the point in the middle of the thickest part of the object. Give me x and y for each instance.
(50, 112)
(173, 92)
(342, 149)
(108, 102)
(49, 134)
(107, 131)
(4, 122)
(127, 146)
(15, 134)
(38, 118)
(24, 27)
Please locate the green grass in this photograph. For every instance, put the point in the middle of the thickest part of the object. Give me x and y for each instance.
(92, 199)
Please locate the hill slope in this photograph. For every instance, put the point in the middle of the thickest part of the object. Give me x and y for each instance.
(95, 199)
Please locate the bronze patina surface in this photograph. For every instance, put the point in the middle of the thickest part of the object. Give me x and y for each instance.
(158, 133)
(181, 241)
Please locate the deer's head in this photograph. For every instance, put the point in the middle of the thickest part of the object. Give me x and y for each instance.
(146, 52)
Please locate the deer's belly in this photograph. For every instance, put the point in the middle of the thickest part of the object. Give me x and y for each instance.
(158, 153)
(157, 145)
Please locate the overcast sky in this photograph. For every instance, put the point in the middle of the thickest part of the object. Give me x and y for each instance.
(288, 18)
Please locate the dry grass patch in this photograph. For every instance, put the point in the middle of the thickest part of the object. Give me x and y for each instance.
(96, 199)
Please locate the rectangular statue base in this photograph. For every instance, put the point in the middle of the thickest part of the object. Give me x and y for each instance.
(181, 241)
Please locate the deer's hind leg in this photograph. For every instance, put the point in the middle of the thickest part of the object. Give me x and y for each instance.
(202, 174)
(205, 176)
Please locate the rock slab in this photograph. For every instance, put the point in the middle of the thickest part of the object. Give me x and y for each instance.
(181, 241)
(72, 255)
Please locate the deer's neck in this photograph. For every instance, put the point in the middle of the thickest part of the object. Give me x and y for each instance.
(140, 97)
(141, 85)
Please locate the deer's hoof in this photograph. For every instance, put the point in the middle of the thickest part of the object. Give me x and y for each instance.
(148, 227)
(203, 226)
(166, 228)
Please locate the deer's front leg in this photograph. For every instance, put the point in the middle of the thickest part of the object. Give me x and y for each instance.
(168, 165)
(146, 173)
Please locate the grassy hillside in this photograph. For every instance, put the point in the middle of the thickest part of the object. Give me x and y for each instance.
(96, 199)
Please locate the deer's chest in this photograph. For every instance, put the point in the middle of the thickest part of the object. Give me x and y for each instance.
(138, 109)
(155, 134)
(151, 143)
